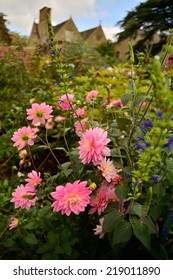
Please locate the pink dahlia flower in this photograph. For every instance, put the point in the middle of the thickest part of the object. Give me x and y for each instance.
(39, 113)
(92, 146)
(99, 228)
(71, 198)
(116, 103)
(13, 223)
(80, 127)
(92, 93)
(65, 103)
(24, 197)
(99, 201)
(23, 136)
(102, 197)
(79, 112)
(59, 119)
(33, 179)
(107, 168)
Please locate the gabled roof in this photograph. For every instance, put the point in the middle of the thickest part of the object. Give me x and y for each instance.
(57, 27)
(85, 34)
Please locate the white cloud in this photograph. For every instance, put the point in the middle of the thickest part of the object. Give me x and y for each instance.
(21, 14)
(110, 32)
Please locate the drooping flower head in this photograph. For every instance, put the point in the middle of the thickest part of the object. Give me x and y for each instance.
(13, 223)
(99, 228)
(23, 136)
(24, 197)
(59, 119)
(71, 198)
(80, 127)
(92, 93)
(38, 113)
(92, 146)
(65, 101)
(33, 179)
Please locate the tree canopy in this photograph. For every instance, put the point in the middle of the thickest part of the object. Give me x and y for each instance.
(4, 32)
(151, 17)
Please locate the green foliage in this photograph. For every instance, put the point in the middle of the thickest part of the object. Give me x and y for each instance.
(149, 17)
(129, 207)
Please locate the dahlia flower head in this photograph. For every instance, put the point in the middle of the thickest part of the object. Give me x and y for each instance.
(92, 146)
(23, 136)
(101, 198)
(33, 179)
(80, 127)
(79, 112)
(13, 223)
(71, 198)
(65, 101)
(24, 197)
(115, 103)
(90, 95)
(99, 228)
(107, 169)
(39, 113)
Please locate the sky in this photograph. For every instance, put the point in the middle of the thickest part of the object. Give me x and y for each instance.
(86, 14)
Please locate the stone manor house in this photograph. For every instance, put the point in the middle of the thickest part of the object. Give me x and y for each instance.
(64, 32)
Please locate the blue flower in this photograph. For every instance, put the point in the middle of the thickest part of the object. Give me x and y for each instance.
(147, 124)
(136, 183)
(136, 52)
(128, 175)
(60, 49)
(140, 146)
(154, 178)
(170, 218)
(159, 114)
(57, 84)
(165, 231)
(170, 142)
(59, 75)
(71, 76)
(53, 52)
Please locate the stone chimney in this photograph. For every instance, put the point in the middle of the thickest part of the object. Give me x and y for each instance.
(42, 25)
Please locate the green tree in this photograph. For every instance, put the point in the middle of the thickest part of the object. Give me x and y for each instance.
(4, 32)
(107, 52)
(151, 17)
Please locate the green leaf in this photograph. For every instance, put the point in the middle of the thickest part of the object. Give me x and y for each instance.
(31, 225)
(67, 172)
(141, 232)
(123, 123)
(150, 224)
(126, 98)
(155, 212)
(65, 165)
(137, 209)
(8, 242)
(121, 191)
(66, 247)
(31, 239)
(111, 220)
(122, 232)
(52, 236)
(139, 100)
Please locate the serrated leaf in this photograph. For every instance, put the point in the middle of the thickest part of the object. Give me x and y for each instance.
(137, 209)
(126, 98)
(110, 220)
(122, 232)
(31, 239)
(141, 232)
(121, 192)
